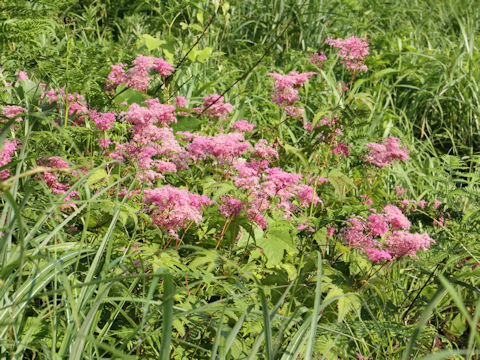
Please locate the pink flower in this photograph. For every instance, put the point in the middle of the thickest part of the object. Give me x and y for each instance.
(331, 230)
(138, 76)
(400, 191)
(116, 77)
(436, 204)
(103, 121)
(402, 243)
(6, 153)
(22, 75)
(224, 147)
(180, 101)
(285, 93)
(317, 59)
(377, 224)
(242, 126)
(104, 142)
(162, 67)
(384, 154)
(396, 218)
(214, 107)
(173, 208)
(231, 206)
(10, 111)
(352, 50)
(378, 256)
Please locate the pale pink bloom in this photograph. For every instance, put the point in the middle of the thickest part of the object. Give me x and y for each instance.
(400, 191)
(317, 59)
(436, 204)
(385, 153)
(377, 224)
(104, 142)
(214, 107)
(331, 230)
(305, 227)
(403, 243)
(378, 256)
(242, 126)
(22, 75)
(162, 67)
(116, 77)
(396, 218)
(180, 101)
(9, 147)
(404, 202)
(173, 208)
(352, 50)
(224, 147)
(263, 150)
(103, 121)
(231, 206)
(341, 149)
(10, 111)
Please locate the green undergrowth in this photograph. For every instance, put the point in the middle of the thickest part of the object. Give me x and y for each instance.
(99, 281)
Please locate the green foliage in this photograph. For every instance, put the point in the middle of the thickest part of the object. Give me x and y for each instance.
(100, 282)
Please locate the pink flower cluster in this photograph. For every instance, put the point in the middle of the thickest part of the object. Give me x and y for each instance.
(10, 111)
(317, 59)
(271, 188)
(103, 121)
(172, 208)
(76, 103)
(6, 153)
(352, 50)
(138, 77)
(223, 147)
(384, 154)
(330, 136)
(285, 93)
(242, 126)
(151, 137)
(214, 107)
(53, 182)
(385, 236)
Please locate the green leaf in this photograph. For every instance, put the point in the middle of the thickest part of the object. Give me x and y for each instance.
(458, 325)
(340, 183)
(98, 175)
(152, 43)
(346, 304)
(274, 243)
(128, 95)
(204, 54)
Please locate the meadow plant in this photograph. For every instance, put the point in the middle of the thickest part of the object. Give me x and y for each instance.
(224, 178)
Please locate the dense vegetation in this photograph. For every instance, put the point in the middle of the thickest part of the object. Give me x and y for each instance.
(239, 179)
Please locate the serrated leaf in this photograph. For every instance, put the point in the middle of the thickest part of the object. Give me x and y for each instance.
(346, 304)
(274, 243)
(340, 183)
